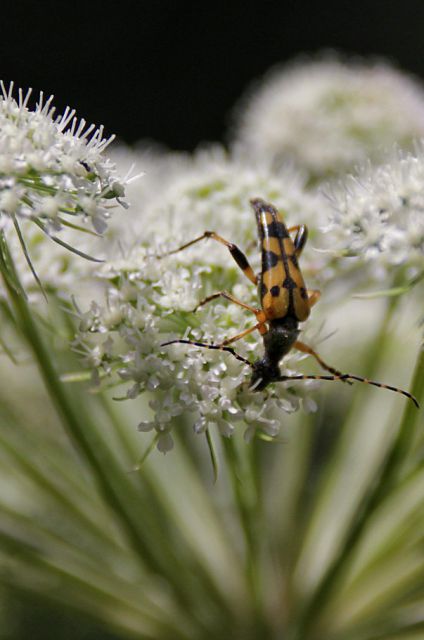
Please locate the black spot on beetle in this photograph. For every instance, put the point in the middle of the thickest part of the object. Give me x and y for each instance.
(289, 283)
(269, 259)
(275, 291)
(277, 230)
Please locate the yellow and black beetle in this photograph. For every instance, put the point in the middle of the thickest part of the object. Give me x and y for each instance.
(285, 301)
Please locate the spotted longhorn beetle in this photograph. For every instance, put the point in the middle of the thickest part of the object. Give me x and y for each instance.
(285, 301)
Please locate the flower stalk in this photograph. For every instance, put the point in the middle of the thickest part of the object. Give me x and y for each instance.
(372, 500)
(116, 488)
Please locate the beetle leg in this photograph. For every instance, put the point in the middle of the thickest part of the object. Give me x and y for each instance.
(260, 327)
(304, 348)
(313, 296)
(300, 237)
(224, 294)
(236, 253)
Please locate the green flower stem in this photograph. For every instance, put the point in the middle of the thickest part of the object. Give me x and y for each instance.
(138, 614)
(116, 488)
(372, 358)
(155, 496)
(82, 437)
(383, 484)
(375, 350)
(402, 444)
(69, 502)
(244, 488)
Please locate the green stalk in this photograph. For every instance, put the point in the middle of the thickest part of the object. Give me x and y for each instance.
(410, 417)
(250, 517)
(204, 586)
(95, 590)
(116, 488)
(46, 482)
(81, 433)
(383, 484)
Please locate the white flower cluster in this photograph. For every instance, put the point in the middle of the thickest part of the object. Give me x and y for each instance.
(211, 190)
(378, 216)
(329, 116)
(150, 301)
(52, 170)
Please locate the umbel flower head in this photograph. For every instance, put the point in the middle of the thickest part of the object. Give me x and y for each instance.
(149, 301)
(55, 183)
(328, 116)
(378, 217)
(52, 169)
(211, 190)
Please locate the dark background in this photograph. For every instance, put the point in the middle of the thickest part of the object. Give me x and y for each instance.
(172, 70)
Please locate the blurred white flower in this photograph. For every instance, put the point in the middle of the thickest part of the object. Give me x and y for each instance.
(183, 194)
(378, 216)
(328, 115)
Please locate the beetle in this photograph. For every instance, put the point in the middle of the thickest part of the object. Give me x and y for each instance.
(285, 301)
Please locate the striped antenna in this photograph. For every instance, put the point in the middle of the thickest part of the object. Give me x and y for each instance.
(209, 346)
(347, 377)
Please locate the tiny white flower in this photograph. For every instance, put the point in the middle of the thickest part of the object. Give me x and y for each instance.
(52, 169)
(165, 442)
(48, 206)
(53, 173)
(10, 199)
(378, 217)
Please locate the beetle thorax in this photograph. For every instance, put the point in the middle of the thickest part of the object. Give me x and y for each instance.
(278, 341)
(280, 338)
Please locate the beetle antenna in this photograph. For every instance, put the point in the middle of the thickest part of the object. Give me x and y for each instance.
(205, 345)
(348, 376)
